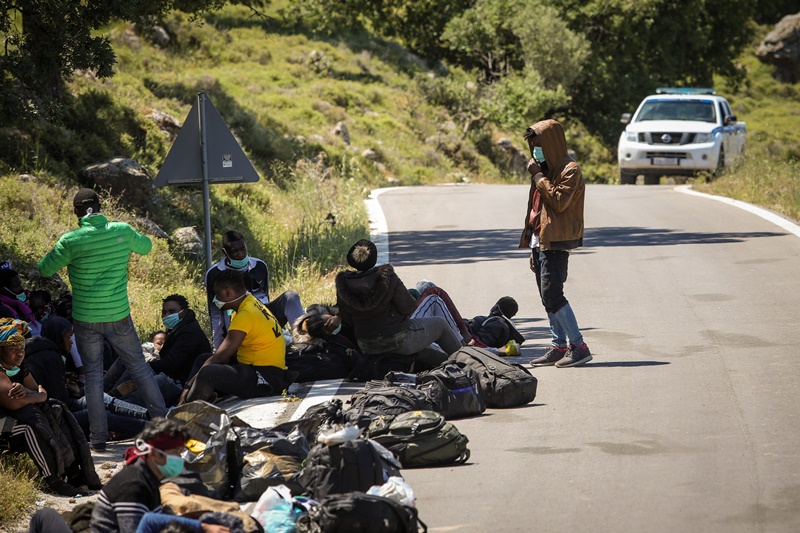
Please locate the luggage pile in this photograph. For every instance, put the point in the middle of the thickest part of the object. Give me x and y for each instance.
(339, 467)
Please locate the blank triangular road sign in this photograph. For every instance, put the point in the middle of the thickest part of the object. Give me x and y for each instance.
(226, 160)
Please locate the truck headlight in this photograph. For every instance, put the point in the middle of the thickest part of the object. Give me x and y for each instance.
(704, 138)
(631, 136)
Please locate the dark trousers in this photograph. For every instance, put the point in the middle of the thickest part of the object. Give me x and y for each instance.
(551, 273)
(244, 381)
(48, 520)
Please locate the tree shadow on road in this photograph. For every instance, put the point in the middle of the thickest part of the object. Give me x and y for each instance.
(623, 364)
(635, 236)
(441, 247)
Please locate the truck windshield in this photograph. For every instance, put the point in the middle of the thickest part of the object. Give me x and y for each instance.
(695, 110)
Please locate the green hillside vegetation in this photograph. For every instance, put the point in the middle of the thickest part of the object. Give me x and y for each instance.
(282, 87)
(769, 174)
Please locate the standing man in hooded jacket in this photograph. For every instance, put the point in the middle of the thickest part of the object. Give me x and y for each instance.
(553, 227)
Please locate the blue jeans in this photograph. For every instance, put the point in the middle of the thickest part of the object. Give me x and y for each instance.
(122, 337)
(114, 405)
(155, 522)
(551, 273)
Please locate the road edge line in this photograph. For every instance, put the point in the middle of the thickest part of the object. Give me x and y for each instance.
(770, 216)
(378, 229)
(322, 391)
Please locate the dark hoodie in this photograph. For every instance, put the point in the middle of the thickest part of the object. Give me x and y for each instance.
(494, 330)
(562, 194)
(184, 343)
(375, 301)
(44, 357)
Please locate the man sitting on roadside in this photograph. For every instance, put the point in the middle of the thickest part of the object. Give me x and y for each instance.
(286, 307)
(251, 361)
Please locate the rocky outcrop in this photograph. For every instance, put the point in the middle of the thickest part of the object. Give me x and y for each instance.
(187, 241)
(341, 130)
(782, 49)
(166, 123)
(148, 226)
(124, 178)
(514, 160)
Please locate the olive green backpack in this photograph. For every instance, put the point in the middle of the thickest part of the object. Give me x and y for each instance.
(420, 438)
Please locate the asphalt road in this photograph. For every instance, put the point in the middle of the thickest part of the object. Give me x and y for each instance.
(686, 419)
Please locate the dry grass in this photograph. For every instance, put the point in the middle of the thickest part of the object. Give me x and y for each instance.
(17, 487)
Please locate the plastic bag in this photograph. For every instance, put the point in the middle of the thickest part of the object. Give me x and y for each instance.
(396, 489)
(271, 499)
(277, 511)
(209, 425)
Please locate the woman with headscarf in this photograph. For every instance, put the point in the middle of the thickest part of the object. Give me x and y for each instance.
(60, 449)
(45, 357)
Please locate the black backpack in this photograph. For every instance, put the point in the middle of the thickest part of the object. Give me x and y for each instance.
(503, 384)
(420, 438)
(454, 386)
(357, 512)
(351, 466)
(378, 399)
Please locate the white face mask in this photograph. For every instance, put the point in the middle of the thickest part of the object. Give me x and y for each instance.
(220, 304)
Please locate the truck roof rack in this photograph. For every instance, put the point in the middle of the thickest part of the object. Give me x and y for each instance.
(685, 90)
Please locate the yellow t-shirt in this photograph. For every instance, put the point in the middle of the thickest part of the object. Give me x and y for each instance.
(263, 344)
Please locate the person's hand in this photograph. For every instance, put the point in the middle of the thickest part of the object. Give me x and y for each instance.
(533, 167)
(42, 391)
(17, 391)
(184, 395)
(333, 322)
(533, 263)
(214, 528)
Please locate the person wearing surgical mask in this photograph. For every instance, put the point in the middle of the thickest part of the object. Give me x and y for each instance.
(14, 296)
(134, 490)
(286, 307)
(553, 227)
(185, 339)
(251, 361)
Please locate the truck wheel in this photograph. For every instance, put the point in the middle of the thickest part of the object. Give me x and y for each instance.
(626, 178)
(652, 180)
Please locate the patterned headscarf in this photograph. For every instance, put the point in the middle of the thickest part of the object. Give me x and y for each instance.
(12, 331)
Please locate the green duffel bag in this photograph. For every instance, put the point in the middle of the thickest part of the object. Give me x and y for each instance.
(420, 438)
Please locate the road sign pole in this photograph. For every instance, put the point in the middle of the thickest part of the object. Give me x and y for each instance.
(201, 101)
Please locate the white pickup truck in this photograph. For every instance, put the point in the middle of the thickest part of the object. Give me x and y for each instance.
(679, 132)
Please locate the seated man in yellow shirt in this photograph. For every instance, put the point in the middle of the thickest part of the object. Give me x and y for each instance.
(251, 361)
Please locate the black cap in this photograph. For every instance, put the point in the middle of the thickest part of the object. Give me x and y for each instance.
(363, 255)
(86, 197)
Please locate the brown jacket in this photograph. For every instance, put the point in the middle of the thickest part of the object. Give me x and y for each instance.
(562, 192)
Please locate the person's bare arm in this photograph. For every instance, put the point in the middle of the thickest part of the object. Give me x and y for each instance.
(13, 396)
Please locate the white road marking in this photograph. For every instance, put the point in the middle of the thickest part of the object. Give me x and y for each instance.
(320, 392)
(378, 229)
(775, 218)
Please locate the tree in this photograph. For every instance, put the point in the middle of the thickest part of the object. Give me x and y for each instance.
(527, 56)
(417, 23)
(638, 46)
(45, 41)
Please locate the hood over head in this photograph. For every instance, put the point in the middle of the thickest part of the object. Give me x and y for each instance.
(554, 144)
(54, 329)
